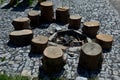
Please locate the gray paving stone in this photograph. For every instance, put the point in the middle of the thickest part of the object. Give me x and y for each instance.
(81, 78)
(26, 73)
(100, 10)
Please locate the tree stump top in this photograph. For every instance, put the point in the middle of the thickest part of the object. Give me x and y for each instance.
(20, 19)
(53, 52)
(33, 13)
(105, 37)
(46, 3)
(75, 16)
(91, 49)
(21, 32)
(91, 24)
(63, 8)
(40, 39)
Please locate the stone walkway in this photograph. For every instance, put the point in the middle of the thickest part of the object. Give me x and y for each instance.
(18, 60)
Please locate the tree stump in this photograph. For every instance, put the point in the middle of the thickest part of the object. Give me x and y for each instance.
(34, 17)
(104, 40)
(62, 15)
(90, 56)
(47, 13)
(39, 1)
(91, 28)
(21, 37)
(74, 21)
(38, 44)
(13, 2)
(21, 23)
(53, 60)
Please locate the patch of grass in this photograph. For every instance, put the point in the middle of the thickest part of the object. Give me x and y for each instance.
(2, 59)
(5, 77)
(1, 1)
(94, 78)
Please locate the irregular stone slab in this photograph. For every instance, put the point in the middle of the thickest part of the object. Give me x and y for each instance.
(26, 73)
(81, 78)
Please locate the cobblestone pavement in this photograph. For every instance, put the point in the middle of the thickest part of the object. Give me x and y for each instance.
(17, 60)
(116, 4)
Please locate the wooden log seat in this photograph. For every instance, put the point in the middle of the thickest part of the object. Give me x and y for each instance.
(47, 13)
(104, 40)
(34, 17)
(53, 60)
(62, 15)
(21, 23)
(91, 28)
(21, 37)
(74, 21)
(38, 44)
(90, 56)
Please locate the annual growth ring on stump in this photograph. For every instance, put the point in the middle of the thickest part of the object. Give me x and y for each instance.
(21, 37)
(91, 56)
(21, 23)
(53, 59)
(38, 44)
(104, 40)
(62, 15)
(47, 13)
(34, 17)
(74, 21)
(91, 28)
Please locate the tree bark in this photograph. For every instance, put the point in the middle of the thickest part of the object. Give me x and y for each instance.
(62, 15)
(53, 60)
(38, 44)
(91, 56)
(104, 40)
(21, 23)
(34, 17)
(21, 37)
(47, 13)
(91, 28)
(13, 2)
(74, 21)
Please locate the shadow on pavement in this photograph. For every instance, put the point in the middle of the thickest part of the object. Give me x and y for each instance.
(88, 73)
(35, 55)
(45, 76)
(21, 6)
(37, 7)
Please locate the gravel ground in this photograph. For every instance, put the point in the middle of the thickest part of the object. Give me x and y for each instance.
(18, 61)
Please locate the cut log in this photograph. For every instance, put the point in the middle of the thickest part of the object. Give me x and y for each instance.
(47, 13)
(104, 40)
(53, 60)
(21, 37)
(91, 28)
(74, 21)
(34, 17)
(13, 2)
(62, 15)
(21, 23)
(91, 56)
(39, 1)
(38, 44)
